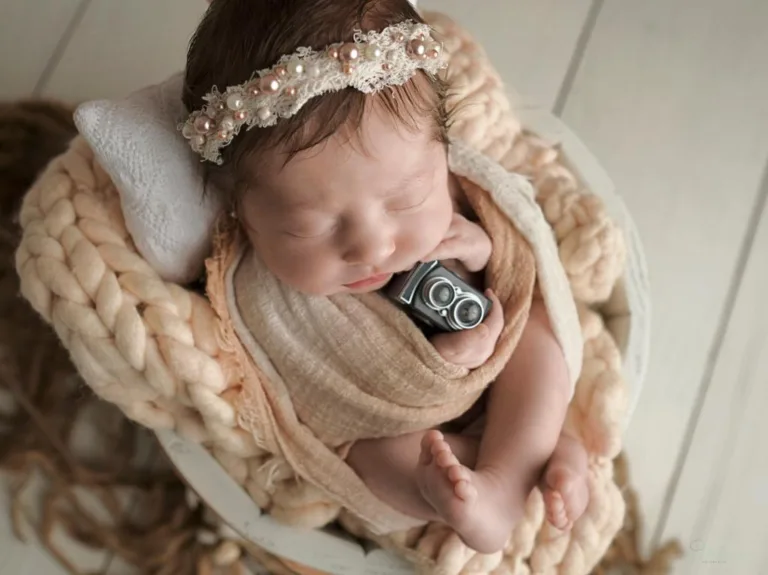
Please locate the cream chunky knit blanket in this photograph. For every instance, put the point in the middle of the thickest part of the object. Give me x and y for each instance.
(158, 351)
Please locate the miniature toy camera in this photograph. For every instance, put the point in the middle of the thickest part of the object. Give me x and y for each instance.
(438, 298)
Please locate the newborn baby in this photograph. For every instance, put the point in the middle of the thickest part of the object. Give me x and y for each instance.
(369, 194)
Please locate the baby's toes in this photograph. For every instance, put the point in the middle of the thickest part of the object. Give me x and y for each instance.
(553, 502)
(458, 473)
(576, 499)
(430, 438)
(464, 490)
(427, 443)
(441, 451)
(557, 513)
(558, 479)
(462, 482)
(444, 458)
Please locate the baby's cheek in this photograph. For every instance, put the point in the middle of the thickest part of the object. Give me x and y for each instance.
(426, 234)
(303, 270)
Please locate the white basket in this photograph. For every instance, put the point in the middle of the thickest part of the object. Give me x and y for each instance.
(628, 318)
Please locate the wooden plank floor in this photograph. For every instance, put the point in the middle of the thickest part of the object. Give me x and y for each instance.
(670, 95)
(684, 136)
(30, 37)
(720, 498)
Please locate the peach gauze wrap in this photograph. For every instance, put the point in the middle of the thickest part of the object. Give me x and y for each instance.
(321, 372)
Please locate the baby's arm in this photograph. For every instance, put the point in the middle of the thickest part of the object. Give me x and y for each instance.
(466, 242)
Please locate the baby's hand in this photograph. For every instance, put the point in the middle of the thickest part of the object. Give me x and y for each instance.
(465, 241)
(472, 348)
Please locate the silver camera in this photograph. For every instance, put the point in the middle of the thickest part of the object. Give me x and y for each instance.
(438, 298)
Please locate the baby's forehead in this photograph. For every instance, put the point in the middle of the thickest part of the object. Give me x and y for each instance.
(315, 184)
(380, 151)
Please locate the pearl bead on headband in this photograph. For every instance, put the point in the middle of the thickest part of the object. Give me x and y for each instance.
(374, 61)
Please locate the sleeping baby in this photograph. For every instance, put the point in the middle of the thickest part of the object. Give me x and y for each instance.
(340, 181)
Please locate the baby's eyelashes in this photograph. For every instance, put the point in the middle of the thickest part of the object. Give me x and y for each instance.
(410, 204)
(403, 209)
(311, 232)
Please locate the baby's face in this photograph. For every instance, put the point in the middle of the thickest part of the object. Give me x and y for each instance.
(343, 217)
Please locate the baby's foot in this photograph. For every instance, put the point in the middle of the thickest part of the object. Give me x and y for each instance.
(471, 503)
(565, 489)
(443, 481)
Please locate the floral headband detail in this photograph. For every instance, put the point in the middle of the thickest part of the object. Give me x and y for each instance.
(374, 61)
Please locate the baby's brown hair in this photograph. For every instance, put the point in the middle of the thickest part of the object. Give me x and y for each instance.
(238, 37)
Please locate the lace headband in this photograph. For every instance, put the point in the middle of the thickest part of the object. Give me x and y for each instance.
(374, 61)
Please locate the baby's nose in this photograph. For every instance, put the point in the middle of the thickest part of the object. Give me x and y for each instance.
(373, 247)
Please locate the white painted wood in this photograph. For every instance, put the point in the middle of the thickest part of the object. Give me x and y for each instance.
(119, 567)
(671, 97)
(151, 457)
(316, 549)
(29, 33)
(720, 509)
(15, 555)
(529, 41)
(91, 439)
(21, 558)
(122, 46)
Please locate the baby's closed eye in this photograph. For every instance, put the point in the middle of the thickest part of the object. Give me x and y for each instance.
(408, 202)
(309, 230)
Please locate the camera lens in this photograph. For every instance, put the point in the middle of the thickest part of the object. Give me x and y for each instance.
(439, 294)
(467, 313)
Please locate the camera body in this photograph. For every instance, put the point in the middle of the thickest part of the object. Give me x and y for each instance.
(437, 297)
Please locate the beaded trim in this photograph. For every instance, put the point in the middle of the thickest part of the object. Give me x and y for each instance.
(372, 62)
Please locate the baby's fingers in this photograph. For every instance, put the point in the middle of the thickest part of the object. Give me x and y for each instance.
(470, 348)
(459, 347)
(494, 321)
(449, 249)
